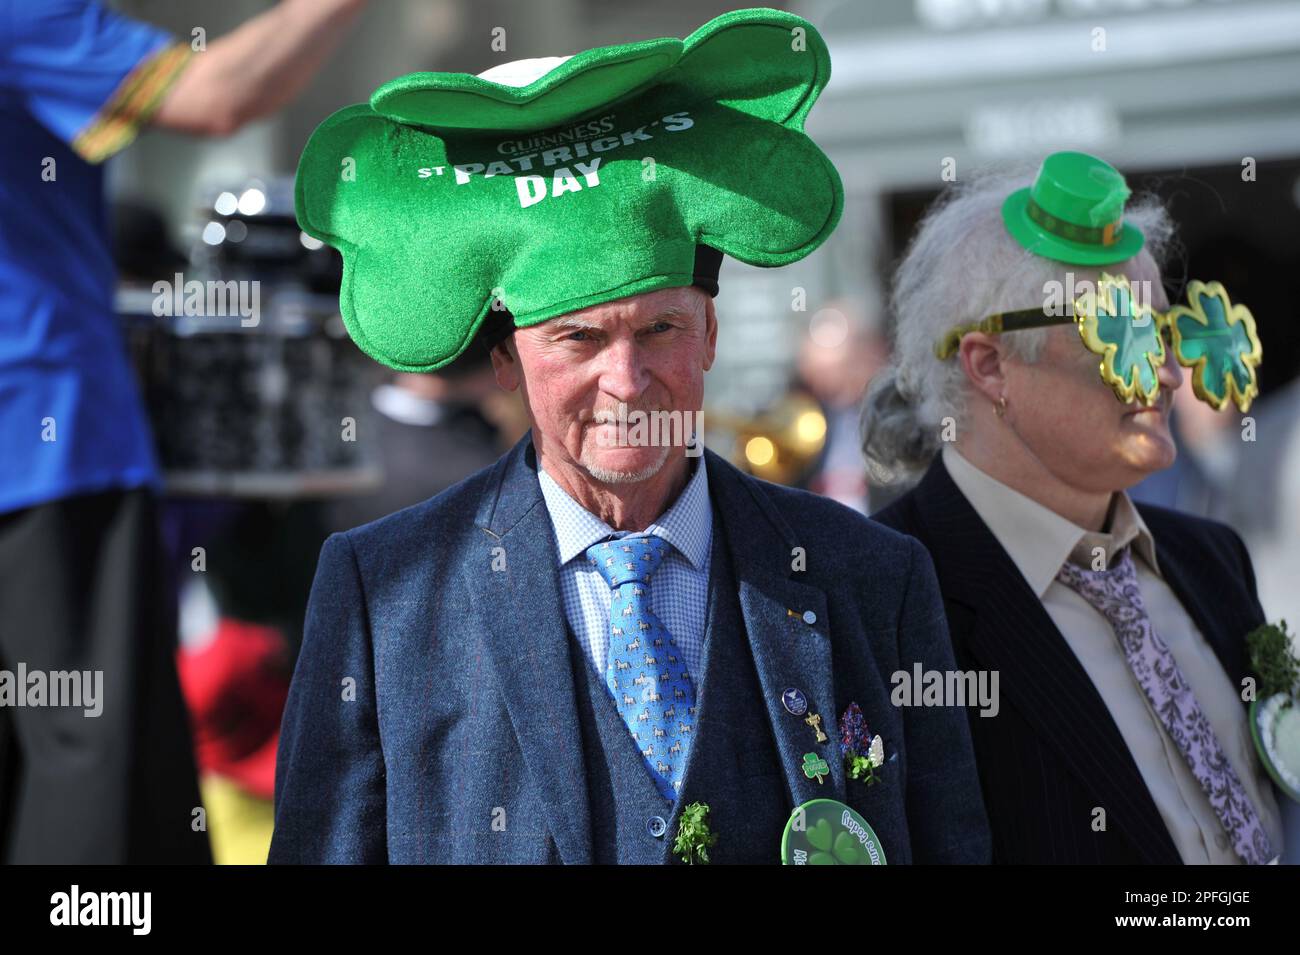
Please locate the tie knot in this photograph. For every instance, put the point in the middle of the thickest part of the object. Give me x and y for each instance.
(1120, 567)
(628, 558)
(1099, 587)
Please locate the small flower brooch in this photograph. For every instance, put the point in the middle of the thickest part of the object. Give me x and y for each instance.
(863, 753)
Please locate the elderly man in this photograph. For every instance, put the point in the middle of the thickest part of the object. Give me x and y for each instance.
(1117, 630)
(604, 649)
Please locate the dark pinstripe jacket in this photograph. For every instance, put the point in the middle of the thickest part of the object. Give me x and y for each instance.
(1053, 753)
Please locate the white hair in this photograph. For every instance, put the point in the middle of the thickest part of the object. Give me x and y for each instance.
(961, 267)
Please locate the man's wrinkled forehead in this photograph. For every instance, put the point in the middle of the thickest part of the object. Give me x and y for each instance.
(686, 303)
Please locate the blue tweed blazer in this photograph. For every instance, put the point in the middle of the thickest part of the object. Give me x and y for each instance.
(435, 686)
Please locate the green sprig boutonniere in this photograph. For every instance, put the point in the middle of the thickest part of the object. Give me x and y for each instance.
(1274, 714)
(1272, 659)
(693, 836)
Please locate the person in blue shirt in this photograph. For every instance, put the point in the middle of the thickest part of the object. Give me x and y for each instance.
(82, 609)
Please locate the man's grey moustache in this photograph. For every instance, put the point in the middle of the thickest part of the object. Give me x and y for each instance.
(611, 417)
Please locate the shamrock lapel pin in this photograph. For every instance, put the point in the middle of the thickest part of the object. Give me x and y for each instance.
(814, 767)
(863, 753)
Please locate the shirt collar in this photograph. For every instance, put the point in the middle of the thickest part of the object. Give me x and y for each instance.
(1038, 539)
(687, 524)
(1126, 528)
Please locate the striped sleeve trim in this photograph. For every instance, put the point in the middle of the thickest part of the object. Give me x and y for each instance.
(131, 105)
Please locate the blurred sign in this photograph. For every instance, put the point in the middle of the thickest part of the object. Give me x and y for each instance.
(918, 85)
(1019, 127)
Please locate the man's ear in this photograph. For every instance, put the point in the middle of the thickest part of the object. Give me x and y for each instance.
(710, 331)
(981, 358)
(505, 363)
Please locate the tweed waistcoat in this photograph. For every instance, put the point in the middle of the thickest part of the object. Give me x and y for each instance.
(732, 765)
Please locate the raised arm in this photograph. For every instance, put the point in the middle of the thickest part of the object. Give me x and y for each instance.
(256, 68)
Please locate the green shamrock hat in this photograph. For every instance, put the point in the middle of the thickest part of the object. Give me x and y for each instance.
(449, 193)
(1074, 212)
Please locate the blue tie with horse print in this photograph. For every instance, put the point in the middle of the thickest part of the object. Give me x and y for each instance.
(644, 670)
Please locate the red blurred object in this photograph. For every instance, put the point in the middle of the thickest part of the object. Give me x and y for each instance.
(236, 686)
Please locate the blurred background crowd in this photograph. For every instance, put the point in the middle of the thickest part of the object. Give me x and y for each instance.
(1195, 100)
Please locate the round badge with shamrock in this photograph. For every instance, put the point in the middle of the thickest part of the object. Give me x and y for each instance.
(827, 832)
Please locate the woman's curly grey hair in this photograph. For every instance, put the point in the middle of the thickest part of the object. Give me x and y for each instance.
(962, 266)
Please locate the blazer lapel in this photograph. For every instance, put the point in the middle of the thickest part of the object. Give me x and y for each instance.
(519, 605)
(1180, 573)
(787, 651)
(1013, 634)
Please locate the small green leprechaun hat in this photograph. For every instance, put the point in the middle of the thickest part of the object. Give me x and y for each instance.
(1074, 212)
(544, 187)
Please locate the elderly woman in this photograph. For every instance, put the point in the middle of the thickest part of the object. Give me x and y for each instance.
(1116, 629)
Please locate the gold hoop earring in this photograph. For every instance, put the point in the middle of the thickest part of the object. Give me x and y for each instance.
(1001, 407)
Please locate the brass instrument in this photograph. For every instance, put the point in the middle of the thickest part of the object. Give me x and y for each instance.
(781, 444)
